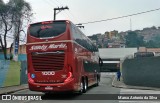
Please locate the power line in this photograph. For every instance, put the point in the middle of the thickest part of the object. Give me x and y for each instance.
(54, 2)
(51, 3)
(122, 16)
(48, 3)
(71, 16)
(59, 2)
(62, 6)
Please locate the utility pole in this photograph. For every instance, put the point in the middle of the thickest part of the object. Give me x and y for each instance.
(59, 9)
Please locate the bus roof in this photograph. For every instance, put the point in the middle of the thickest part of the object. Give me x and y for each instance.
(50, 21)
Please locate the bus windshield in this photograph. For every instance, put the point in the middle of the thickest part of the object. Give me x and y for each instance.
(45, 30)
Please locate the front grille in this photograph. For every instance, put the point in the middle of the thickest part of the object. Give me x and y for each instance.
(48, 61)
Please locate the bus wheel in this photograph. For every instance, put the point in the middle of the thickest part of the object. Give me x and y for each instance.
(81, 87)
(84, 85)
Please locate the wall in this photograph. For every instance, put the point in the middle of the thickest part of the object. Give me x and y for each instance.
(21, 57)
(21, 50)
(143, 71)
(120, 53)
(12, 73)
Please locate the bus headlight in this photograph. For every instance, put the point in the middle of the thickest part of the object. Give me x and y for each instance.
(30, 79)
(33, 76)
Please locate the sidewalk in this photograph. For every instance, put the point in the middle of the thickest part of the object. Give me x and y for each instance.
(8, 90)
(121, 84)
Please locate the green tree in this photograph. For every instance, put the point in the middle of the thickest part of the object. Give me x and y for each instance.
(134, 40)
(14, 16)
(21, 11)
(151, 44)
(154, 43)
(5, 25)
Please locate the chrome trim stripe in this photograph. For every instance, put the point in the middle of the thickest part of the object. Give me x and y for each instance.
(56, 42)
(50, 42)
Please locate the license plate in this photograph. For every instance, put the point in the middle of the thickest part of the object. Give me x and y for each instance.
(48, 88)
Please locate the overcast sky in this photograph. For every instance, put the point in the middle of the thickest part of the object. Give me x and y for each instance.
(82, 11)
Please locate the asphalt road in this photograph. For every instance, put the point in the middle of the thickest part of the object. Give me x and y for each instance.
(105, 87)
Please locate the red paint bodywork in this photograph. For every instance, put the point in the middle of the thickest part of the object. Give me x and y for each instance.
(68, 77)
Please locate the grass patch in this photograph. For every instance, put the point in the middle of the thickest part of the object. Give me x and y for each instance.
(13, 74)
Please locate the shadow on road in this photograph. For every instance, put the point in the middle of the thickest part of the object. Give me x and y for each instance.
(69, 95)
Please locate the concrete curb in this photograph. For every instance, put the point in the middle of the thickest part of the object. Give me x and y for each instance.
(115, 85)
(120, 84)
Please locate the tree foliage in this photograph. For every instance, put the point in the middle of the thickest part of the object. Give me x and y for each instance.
(14, 17)
(154, 42)
(134, 40)
(6, 25)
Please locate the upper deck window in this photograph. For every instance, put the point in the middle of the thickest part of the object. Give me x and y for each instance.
(46, 30)
(81, 39)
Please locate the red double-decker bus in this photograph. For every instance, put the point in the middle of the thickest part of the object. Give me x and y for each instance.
(61, 58)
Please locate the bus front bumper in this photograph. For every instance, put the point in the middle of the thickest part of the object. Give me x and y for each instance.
(55, 87)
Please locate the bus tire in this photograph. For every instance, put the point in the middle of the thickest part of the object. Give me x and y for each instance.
(81, 87)
(84, 85)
